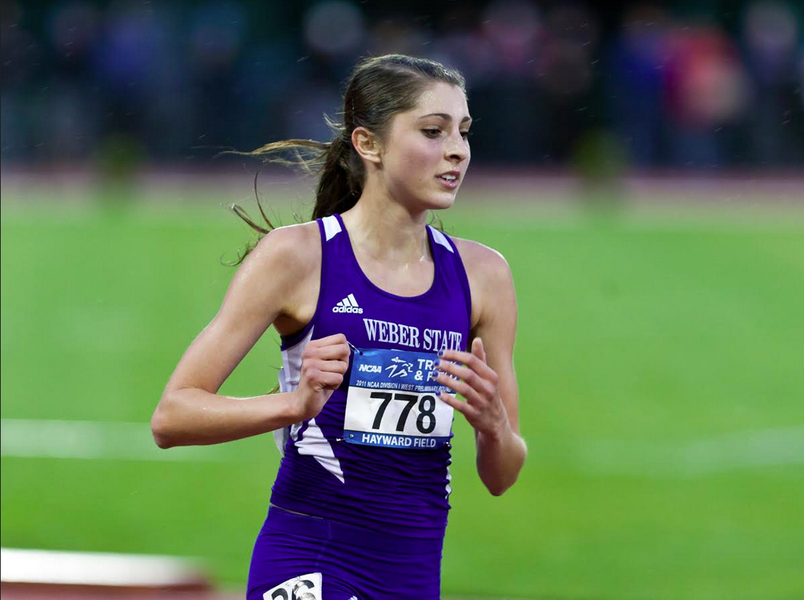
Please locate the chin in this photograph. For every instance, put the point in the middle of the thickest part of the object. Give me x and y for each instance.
(441, 201)
(430, 200)
(443, 205)
(433, 204)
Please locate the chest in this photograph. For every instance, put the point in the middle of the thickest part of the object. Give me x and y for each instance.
(369, 320)
(406, 280)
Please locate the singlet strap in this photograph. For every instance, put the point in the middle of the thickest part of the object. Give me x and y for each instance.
(331, 227)
(459, 269)
(440, 238)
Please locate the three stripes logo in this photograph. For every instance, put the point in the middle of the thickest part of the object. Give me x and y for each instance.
(347, 305)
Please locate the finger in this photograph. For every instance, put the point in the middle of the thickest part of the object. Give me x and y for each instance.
(478, 373)
(329, 352)
(329, 366)
(461, 407)
(314, 378)
(467, 375)
(469, 359)
(336, 338)
(478, 349)
(328, 380)
(460, 387)
(334, 366)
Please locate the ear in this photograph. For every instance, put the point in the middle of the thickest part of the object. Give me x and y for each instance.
(366, 144)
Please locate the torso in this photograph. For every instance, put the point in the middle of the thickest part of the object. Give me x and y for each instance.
(378, 453)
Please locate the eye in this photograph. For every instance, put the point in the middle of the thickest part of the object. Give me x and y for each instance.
(432, 132)
(466, 134)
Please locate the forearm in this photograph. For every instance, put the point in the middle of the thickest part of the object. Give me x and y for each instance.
(192, 416)
(500, 457)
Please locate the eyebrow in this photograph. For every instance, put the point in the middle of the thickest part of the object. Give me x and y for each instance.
(446, 117)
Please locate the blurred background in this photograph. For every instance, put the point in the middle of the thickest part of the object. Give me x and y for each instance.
(640, 165)
(700, 85)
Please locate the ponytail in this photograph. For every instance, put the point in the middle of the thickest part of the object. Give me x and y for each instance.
(338, 190)
(341, 181)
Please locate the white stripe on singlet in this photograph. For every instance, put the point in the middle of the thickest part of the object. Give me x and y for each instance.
(331, 227)
(288, 381)
(440, 238)
(313, 442)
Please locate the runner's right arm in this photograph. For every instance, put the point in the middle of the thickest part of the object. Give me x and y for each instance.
(265, 288)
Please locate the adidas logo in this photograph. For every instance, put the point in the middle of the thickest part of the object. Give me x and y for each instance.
(347, 305)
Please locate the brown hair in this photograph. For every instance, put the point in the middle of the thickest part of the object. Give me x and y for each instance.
(378, 88)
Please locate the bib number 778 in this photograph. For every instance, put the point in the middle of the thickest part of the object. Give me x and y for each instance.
(425, 422)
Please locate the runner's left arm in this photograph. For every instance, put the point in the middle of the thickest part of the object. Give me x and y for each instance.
(486, 378)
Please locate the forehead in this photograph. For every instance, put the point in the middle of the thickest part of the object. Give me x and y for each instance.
(441, 97)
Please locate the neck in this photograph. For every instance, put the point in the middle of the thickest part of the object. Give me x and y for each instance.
(384, 230)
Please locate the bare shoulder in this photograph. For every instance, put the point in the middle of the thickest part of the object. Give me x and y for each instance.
(481, 262)
(280, 276)
(293, 246)
(490, 281)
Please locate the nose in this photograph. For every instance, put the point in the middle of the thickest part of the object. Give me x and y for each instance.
(457, 148)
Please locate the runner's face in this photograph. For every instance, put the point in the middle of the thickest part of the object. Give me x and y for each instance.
(427, 153)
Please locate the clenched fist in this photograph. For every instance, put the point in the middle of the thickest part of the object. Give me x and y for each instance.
(324, 362)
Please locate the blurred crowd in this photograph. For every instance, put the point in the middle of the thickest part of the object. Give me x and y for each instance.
(549, 82)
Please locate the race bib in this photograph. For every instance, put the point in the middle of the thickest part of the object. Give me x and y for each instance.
(392, 401)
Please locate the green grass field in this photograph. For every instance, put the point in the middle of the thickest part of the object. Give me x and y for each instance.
(662, 397)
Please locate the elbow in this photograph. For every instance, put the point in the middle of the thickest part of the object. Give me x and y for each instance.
(497, 489)
(161, 428)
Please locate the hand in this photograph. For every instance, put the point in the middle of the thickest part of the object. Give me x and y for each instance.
(324, 362)
(477, 383)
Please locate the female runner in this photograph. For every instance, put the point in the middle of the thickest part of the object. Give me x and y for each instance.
(383, 320)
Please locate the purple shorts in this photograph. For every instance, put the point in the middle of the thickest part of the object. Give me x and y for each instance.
(354, 563)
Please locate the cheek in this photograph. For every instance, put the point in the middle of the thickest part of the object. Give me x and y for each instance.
(420, 160)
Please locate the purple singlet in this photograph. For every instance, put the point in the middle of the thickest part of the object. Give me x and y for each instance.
(376, 459)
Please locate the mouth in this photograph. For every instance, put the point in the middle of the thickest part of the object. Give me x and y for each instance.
(450, 179)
